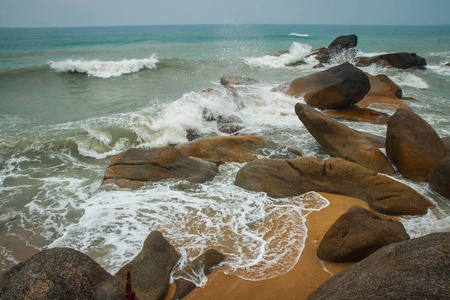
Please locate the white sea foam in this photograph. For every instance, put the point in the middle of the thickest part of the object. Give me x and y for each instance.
(297, 52)
(440, 69)
(410, 80)
(104, 69)
(299, 34)
(418, 226)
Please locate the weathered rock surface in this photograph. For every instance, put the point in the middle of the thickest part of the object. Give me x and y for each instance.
(415, 269)
(439, 178)
(204, 264)
(135, 167)
(357, 234)
(343, 42)
(384, 94)
(413, 146)
(292, 177)
(60, 273)
(336, 87)
(341, 141)
(229, 124)
(354, 113)
(151, 268)
(227, 149)
(401, 60)
(321, 54)
(446, 141)
(377, 140)
(234, 80)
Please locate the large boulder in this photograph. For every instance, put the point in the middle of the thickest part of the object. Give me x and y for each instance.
(357, 234)
(336, 87)
(229, 149)
(413, 146)
(401, 60)
(415, 269)
(384, 94)
(135, 167)
(439, 178)
(293, 177)
(341, 141)
(203, 264)
(343, 42)
(151, 268)
(60, 273)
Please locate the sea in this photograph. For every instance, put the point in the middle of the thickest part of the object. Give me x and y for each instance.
(72, 98)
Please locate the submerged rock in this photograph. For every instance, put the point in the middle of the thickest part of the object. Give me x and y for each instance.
(234, 80)
(293, 177)
(340, 141)
(357, 234)
(415, 269)
(439, 178)
(227, 149)
(230, 124)
(151, 268)
(60, 273)
(413, 146)
(135, 167)
(401, 60)
(336, 87)
(204, 264)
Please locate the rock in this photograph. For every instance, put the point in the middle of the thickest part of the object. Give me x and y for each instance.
(446, 141)
(401, 60)
(343, 42)
(357, 234)
(227, 149)
(320, 54)
(279, 53)
(340, 141)
(230, 124)
(135, 167)
(235, 95)
(319, 66)
(151, 268)
(234, 80)
(60, 273)
(193, 134)
(383, 95)
(293, 177)
(377, 140)
(439, 178)
(448, 64)
(204, 264)
(413, 146)
(354, 113)
(231, 94)
(416, 269)
(336, 87)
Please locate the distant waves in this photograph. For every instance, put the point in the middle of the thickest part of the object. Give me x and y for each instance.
(299, 34)
(104, 69)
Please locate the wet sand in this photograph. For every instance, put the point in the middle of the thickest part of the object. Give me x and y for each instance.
(306, 276)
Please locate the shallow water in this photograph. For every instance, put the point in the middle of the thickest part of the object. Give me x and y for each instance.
(71, 98)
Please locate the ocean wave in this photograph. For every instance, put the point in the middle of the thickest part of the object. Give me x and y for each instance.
(297, 52)
(104, 69)
(299, 34)
(410, 80)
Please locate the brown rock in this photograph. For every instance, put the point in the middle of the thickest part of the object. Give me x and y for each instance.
(227, 149)
(279, 53)
(320, 54)
(401, 60)
(293, 177)
(446, 141)
(234, 80)
(439, 178)
(336, 87)
(354, 113)
(134, 167)
(59, 273)
(383, 95)
(230, 124)
(413, 146)
(357, 234)
(376, 140)
(340, 141)
(415, 269)
(343, 42)
(204, 264)
(151, 268)
(319, 66)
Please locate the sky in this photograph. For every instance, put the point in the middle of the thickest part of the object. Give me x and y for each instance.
(68, 13)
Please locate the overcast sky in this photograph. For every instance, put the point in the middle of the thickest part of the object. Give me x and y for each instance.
(67, 13)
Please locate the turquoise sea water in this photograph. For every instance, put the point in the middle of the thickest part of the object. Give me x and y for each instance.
(71, 98)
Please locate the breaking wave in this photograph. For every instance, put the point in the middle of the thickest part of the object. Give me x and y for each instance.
(299, 34)
(104, 69)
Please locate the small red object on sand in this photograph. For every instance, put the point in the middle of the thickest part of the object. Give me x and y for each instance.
(129, 294)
